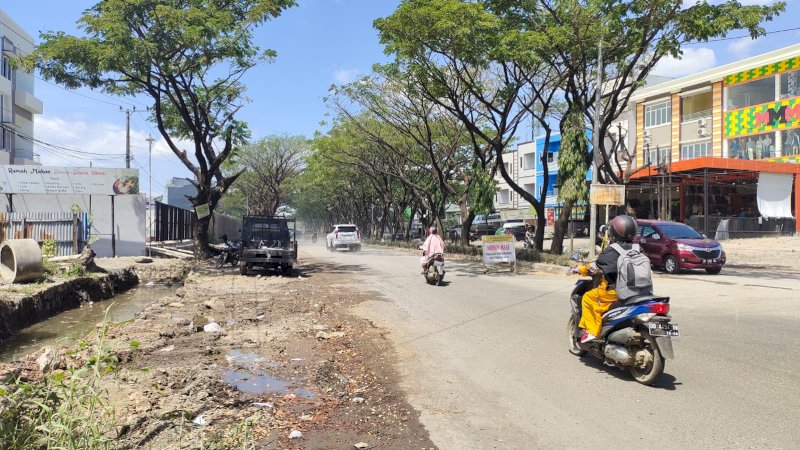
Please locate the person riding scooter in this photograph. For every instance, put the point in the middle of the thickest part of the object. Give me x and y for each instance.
(433, 245)
(597, 301)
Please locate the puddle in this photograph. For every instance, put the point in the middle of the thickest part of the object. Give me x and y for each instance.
(249, 377)
(72, 325)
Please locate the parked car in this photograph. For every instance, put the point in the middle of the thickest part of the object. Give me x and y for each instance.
(676, 246)
(454, 234)
(517, 229)
(343, 236)
(484, 225)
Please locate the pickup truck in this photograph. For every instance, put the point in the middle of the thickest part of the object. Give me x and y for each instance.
(268, 242)
(343, 236)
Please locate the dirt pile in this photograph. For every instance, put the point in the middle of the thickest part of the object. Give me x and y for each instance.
(231, 360)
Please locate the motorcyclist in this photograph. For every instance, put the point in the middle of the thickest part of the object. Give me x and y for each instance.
(597, 301)
(530, 234)
(433, 244)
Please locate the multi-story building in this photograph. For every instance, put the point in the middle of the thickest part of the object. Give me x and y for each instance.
(18, 104)
(178, 191)
(721, 148)
(520, 164)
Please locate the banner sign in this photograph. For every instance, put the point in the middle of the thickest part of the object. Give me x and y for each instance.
(607, 194)
(202, 211)
(762, 118)
(68, 180)
(499, 249)
(763, 71)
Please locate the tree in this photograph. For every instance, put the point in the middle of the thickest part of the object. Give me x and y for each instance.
(481, 69)
(187, 57)
(572, 168)
(270, 166)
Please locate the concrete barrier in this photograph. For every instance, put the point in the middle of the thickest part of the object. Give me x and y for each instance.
(20, 260)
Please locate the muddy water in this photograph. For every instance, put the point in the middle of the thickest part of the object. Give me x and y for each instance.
(72, 325)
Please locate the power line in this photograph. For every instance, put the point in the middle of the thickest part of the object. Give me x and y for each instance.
(741, 37)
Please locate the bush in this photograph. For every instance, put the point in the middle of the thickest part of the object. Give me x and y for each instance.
(530, 255)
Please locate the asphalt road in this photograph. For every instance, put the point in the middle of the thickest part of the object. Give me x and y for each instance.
(485, 359)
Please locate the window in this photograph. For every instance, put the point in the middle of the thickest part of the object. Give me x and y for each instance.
(659, 156)
(5, 139)
(751, 93)
(529, 161)
(791, 142)
(657, 114)
(752, 147)
(552, 157)
(790, 84)
(695, 150)
(696, 106)
(5, 69)
(647, 231)
(503, 197)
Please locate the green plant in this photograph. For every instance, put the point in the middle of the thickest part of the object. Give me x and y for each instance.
(49, 250)
(75, 271)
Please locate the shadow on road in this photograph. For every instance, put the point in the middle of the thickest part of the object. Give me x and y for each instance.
(666, 381)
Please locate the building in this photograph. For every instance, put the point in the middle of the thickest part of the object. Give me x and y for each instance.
(720, 149)
(177, 192)
(18, 104)
(524, 164)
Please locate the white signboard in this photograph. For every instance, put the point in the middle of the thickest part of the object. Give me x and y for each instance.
(499, 249)
(607, 194)
(68, 180)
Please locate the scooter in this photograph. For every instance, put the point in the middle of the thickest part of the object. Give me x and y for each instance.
(230, 254)
(636, 334)
(433, 270)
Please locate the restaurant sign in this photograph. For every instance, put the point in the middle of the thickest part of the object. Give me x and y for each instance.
(68, 180)
(763, 118)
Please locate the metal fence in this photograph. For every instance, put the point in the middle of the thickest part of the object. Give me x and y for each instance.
(69, 231)
(172, 223)
(742, 227)
(222, 224)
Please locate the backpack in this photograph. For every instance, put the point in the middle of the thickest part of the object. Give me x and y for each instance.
(634, 276)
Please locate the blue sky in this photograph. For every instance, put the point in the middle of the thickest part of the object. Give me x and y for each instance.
(319, 43)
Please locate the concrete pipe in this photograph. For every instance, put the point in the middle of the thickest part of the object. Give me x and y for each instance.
(20, 260)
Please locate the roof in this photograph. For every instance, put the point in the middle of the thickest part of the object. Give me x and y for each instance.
(657, 222)
(715, 74)
(717, 166)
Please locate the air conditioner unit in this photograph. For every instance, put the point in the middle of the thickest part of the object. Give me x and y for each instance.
(702, 122)
(703, 132)
(646, 134)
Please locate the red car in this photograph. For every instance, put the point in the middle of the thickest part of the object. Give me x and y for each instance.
(676, 246)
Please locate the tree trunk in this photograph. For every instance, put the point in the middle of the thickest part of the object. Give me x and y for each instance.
(200, 238)
(557, 247)
(541, 223)
(467, 216)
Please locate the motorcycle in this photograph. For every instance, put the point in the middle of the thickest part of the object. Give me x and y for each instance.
(433, 270)
(528, 243)
(636, 334)
(230, 254)
(314, 238)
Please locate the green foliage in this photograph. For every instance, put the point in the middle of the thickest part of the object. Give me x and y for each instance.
(67, 409)
(482, 191)
(49, 249)
(75, 271)
(573, 158)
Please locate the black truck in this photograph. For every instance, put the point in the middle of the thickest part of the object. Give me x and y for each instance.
(268, 242)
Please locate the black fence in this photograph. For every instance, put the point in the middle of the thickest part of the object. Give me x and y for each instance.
(172, 223)
(743, 227)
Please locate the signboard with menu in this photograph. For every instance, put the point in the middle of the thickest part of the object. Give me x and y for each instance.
(499, 249)
(68, 180)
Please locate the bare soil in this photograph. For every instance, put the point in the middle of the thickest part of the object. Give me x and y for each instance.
(289, 356)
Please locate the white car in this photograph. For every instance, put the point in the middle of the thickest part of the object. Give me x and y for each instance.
(343, 236)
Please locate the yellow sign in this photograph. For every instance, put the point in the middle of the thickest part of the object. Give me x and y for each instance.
(607, 194)
(494, 239)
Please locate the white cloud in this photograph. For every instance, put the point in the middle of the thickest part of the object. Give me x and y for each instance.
(77, 142)
(741, 47)
(692, 61)
(344, 76)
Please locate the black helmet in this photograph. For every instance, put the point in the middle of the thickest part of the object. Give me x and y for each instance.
(622, 228)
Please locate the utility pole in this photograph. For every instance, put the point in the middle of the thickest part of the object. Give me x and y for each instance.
(127, 135)
(150, 195)
(596, 148)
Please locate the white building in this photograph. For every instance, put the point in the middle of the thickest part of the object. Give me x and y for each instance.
(520, 164)
(18, 104)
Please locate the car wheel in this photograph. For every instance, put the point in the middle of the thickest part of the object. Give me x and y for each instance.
(671, 265)
(713, 270)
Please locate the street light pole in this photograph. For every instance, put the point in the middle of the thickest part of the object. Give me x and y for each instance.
(150, 195)
(596, 148)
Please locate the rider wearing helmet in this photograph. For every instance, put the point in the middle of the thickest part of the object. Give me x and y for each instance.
(597, 301)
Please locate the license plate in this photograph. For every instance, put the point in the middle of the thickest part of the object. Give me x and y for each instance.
(438, 263)
(709, 261)
(663, 329)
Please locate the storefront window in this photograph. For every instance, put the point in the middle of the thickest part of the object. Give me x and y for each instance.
(752, 147)
(790, 84)
(750, 94)
(791, 142)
